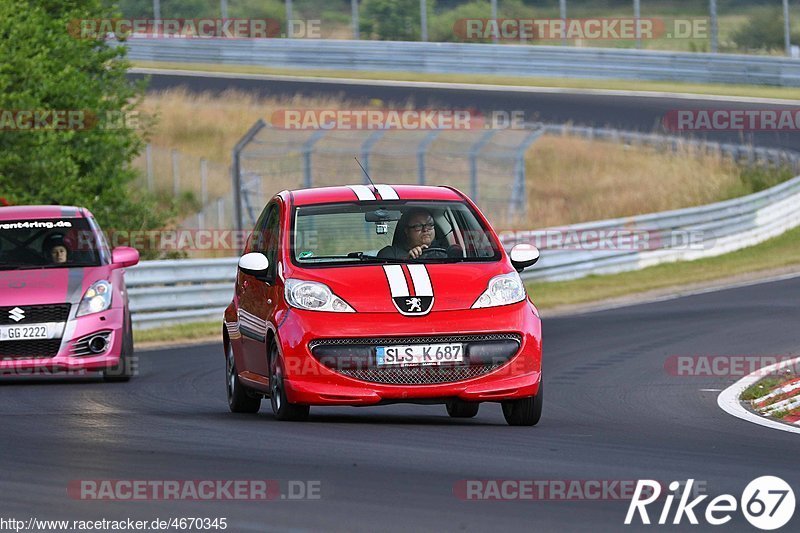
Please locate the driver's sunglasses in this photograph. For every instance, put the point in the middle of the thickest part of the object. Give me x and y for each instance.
(419, 227)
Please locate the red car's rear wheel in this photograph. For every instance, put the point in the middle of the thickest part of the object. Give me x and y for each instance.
(239, 398)
(281, 407)
(461, 409)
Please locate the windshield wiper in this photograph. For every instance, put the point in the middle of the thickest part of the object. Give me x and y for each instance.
(37, 267)
(374, 259)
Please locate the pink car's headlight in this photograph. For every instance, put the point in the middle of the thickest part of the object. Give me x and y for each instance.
(96, 299)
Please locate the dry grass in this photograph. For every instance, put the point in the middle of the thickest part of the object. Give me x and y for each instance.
(569, 179)
(209, 126)
(575, 180)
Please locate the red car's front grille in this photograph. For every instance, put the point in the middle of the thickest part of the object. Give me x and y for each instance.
(419, 375)
(355, 358)
(33, 349)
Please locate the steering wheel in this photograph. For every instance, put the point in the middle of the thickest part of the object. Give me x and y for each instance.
(435, 253)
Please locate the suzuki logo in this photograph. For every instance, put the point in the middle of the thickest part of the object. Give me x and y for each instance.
(16, 314)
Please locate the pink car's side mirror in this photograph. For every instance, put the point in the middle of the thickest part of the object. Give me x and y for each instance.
(124, 256)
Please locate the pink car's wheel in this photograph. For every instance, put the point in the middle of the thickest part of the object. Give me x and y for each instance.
(239, 401)
(123, 370)
(281, 407)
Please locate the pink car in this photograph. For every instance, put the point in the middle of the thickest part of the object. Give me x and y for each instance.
(63, 303)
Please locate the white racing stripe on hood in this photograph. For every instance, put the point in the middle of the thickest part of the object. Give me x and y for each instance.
(363, 192)
(421, 280)
(397, 280)
(387, 192)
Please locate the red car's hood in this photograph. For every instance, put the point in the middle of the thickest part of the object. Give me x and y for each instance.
(47, 286)
(367, 289)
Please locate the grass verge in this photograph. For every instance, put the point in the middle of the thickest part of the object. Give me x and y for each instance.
(178, 332)
(753, 91)
(762, 388)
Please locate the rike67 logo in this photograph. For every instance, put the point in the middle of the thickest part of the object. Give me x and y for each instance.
(767, 503)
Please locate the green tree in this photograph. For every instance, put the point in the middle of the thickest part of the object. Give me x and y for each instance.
(45, 66)
(392, 20)
(763, 31)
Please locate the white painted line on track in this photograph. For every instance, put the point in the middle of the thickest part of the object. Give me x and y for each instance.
(728, 400)
(466, 86)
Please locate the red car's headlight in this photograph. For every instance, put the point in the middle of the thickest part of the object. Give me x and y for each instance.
(314, 296)
(504, 289)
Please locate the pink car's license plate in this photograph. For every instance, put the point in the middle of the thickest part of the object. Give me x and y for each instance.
(13, 333)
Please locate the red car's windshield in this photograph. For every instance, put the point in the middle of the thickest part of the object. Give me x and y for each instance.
(390, 232)
(53, 243)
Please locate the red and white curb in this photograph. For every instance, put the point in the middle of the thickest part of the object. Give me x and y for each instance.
(728, 400)
(789, 399)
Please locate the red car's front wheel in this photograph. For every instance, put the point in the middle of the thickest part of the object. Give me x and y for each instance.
(525, 411)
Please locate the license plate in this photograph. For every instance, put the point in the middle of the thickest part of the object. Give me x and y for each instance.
(420, 354)
(21, 333)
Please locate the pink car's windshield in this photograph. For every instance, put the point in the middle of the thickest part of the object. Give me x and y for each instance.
(53, 243)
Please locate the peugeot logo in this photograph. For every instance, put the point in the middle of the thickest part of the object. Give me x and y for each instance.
(16, 314)
(413, 305)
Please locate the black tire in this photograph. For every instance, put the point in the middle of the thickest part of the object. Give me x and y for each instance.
(281, 407)
(525, 411)
(461, 409)
(123, 370)
(240, 400)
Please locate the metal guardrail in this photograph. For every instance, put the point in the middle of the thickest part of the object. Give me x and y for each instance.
(471, 58)
(176, 291)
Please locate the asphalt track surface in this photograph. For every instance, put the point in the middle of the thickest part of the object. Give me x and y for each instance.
(637, 113)
(612, 412)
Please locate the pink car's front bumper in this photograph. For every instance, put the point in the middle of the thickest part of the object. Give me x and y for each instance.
(72, 354)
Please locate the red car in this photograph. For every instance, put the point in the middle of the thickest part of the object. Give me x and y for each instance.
(365, 295)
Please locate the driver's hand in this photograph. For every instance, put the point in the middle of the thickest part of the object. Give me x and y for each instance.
(416, 251)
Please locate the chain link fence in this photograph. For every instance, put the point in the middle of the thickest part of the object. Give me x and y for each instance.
(488, 165)
(202, 185)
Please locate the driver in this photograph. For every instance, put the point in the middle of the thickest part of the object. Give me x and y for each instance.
(55, 249)
(417, 233)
